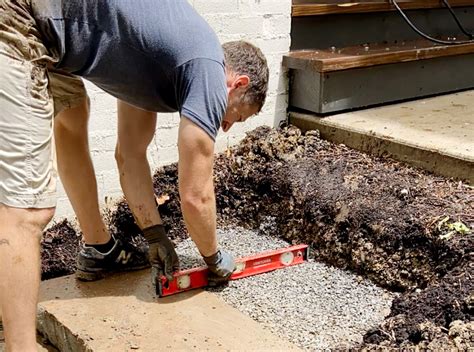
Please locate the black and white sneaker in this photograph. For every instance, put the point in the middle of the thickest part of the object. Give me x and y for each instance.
(93, 265)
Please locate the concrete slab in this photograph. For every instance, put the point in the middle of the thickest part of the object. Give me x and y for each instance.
(121, 313)
(435, 133)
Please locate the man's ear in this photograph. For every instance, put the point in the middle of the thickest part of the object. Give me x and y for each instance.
(241, 82)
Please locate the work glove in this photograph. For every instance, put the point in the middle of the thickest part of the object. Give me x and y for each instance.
(163, 257)
(221, 266)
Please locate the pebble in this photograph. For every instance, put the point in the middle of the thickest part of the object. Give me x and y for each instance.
(313, 305)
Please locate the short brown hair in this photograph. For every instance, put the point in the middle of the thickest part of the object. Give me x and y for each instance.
(244, 58)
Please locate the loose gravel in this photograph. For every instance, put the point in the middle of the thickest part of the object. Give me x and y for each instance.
(312, 305)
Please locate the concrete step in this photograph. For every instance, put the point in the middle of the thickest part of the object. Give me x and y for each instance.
(121, 313)
(436, 134)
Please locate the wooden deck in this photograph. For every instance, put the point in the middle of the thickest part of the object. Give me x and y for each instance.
(336, 59)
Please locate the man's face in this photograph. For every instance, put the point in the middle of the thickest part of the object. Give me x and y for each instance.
(238, 109)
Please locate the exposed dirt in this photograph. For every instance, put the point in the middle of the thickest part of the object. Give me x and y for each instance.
(58, 252)
(61, 242)
(437, 318)
(403, 228)
(376, 217)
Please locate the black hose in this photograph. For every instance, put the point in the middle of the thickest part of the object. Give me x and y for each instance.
(426, 36)
(470, 35)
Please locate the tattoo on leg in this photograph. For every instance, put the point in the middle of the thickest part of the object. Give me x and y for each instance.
(4, 241)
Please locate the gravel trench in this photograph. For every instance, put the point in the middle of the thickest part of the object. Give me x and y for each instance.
(312, 305)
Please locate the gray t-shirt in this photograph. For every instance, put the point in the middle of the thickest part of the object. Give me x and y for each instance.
(159, 55)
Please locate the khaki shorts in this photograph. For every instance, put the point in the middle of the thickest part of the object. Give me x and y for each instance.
(30, 95)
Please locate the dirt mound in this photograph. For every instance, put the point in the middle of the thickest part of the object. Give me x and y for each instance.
(439, 316)
(374, 216)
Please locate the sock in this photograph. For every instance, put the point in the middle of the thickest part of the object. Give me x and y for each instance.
(105, 247)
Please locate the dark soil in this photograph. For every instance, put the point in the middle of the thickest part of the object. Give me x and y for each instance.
(58, 252)
(374, 216)
(436, 318)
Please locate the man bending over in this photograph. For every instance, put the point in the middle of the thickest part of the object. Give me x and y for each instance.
(153, 56)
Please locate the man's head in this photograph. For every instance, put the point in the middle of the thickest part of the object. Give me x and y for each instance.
(247, 81)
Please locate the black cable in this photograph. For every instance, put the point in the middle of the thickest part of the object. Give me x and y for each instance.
(424, 35)
(470, 35)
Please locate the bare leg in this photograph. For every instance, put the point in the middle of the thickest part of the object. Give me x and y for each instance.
(77, 171)
(20, 233)
(136, 128)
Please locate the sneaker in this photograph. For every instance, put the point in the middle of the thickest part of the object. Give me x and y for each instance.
(93, 265)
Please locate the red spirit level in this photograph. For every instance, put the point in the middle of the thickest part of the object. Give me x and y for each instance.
(248, 266)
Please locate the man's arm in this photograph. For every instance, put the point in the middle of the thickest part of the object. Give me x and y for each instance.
(196, 185)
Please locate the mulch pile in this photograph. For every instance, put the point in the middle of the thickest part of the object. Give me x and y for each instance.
(405, 229)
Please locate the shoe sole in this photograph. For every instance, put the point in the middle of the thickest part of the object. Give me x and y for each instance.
(83, 275)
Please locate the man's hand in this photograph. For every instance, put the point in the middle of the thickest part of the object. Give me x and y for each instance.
(163, 257)
(221, 266)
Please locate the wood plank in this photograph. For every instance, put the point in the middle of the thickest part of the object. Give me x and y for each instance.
(317, 9)
(336, 59)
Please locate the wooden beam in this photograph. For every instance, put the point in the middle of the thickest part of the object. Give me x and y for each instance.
(338, 59)
(300, 10)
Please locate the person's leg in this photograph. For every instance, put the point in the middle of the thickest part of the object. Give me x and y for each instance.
(77, 171)
(27, 177)
(136, 129)
(100, 254)
(20, 233)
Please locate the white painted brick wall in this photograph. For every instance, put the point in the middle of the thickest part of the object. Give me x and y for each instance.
(266, 23)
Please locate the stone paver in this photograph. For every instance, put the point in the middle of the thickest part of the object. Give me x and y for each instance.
(121, 313)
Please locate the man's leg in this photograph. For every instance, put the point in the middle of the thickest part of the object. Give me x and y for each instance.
(20, 233)
(27, 176)
(27, 179)
(27, 182)
(77, 171)
(100, 254)
(136, 129)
